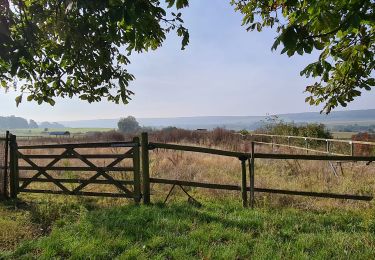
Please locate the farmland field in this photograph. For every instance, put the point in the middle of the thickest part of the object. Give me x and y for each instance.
(343, 135)
(55, 226)
(41, 132)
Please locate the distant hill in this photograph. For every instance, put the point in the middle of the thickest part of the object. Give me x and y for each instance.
(364, 117)
(14, 122)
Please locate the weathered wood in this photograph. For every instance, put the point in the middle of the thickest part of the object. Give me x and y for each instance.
(5, 168)
(98, 174)
(266, 190)
(43, 172)
(69, 156)
(137, 174)
(40, 171)
(80, 169)
(79, 145)
(196, 184)
(310, 157)
(198, 149)
(101, 171)
(96, 181)
(13, 167)
(145, 168)
(315, 194)
(243, 183)
(81, 193)
(252, 175)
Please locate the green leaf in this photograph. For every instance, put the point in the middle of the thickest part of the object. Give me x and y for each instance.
(18, 100)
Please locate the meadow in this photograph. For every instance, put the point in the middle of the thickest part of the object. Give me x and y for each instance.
(217, 227)
(42, 132)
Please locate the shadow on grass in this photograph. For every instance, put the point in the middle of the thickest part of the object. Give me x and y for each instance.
(179, 230)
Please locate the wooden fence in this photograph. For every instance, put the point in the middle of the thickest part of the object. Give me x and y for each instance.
(243, 158)
(142, 179)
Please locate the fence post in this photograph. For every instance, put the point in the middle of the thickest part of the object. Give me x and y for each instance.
(252, 171)
(13, 165)
(145, 168)
(306, 145)
(243, 184)
(137, 174)
(6, 195)
(328, 149)
(351, 148)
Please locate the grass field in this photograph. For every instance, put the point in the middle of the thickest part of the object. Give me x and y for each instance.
(41, 132)
(343, 135)
(280, 227)
(73, 228)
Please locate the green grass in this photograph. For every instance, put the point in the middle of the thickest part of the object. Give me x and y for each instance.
(221, 229)
(343, 135)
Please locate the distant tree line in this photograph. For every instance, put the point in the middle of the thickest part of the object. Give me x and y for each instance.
(354, 128)
(275, 126)
(14, 122)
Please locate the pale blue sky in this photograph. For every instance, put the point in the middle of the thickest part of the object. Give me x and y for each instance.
(224, 71)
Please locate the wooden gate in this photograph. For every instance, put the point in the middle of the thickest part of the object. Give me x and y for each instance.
(73, 169)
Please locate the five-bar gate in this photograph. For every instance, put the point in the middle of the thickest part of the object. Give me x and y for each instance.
(73, 169)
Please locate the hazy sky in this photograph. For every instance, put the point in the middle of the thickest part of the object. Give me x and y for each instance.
(224, 71)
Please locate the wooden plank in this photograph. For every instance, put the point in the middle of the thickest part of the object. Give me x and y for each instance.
(316, 194)
(12, 167)
(198, 149)
(81, 193)
(88, 156)
(252, 175)
(98, 174)
(243, 183)
(145, 168)
(196, 184)
(99, 169)
(5, 168)
(40, 171)
(96, 181)
(80, 145)
(82, 169)
(266, 190)
(137, 171)
(262, 155)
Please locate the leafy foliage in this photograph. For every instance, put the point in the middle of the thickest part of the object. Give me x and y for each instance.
(276, 126)
(341, 31)
(64, 48)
